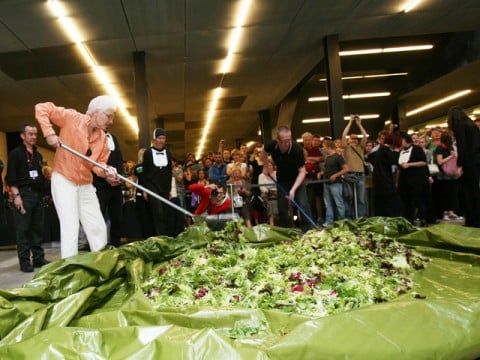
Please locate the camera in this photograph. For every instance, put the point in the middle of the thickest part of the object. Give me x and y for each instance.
(356, 117)
(214, 193)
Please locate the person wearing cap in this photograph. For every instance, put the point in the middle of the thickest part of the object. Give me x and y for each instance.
(157, 167)
(354, 153)
(72, 189)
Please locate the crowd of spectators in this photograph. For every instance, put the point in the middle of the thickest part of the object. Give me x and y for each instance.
(390, 175)
(396, 174)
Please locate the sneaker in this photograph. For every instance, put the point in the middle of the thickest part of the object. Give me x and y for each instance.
(446, 217)
(455, 217)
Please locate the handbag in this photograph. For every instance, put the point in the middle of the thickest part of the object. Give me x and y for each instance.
(450, 166)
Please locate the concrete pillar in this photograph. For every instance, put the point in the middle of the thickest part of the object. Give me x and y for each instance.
(265, 126)
(333, 70)
(141, 97)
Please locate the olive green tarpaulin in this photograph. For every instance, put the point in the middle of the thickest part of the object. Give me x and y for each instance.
(91, 307)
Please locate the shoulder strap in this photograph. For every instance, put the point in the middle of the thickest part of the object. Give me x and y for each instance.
(358, 154)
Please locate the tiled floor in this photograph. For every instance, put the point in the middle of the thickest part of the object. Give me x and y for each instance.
(10, 274)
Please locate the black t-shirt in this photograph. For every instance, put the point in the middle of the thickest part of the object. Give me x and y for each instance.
(25, 169)
(333, 164)
(288, 162)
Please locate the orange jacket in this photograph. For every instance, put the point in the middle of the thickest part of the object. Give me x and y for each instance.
(74, 133)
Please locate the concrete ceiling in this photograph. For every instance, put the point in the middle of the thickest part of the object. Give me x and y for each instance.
(280, 53)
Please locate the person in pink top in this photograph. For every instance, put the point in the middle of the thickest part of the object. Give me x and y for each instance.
(72, 189)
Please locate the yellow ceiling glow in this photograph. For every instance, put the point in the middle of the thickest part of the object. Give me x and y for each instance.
(72, 31)
(226, 66)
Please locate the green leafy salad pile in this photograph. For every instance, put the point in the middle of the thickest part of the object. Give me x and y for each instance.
(317, 274)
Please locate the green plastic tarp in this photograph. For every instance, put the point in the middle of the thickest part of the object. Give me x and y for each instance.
(91, 307)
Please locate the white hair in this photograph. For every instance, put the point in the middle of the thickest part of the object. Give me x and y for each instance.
(102, 103)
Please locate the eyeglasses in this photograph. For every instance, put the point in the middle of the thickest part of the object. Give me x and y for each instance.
(89, 152)
(109, 116)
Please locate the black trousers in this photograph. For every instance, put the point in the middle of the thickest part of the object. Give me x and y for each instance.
(111, 205)
(470, 182)
(159, 212)
(29, 227)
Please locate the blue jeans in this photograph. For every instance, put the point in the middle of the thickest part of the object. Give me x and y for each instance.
(334, 204)
(361, 201)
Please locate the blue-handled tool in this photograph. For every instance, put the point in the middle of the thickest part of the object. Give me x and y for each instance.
(304, 213)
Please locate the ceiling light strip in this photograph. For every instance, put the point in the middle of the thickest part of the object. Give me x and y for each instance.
(233, 44)
(72, 31)
(352, 96)
(386, 50)
(327, 119)
(372, 76)
(438, 102)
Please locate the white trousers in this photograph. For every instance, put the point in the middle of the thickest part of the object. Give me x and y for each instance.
(77, 204)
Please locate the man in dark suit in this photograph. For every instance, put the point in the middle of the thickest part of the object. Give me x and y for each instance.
(110, 195)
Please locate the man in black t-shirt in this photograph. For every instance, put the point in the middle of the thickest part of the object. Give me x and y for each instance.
(335, 168)
(25, 178)
(289, 159)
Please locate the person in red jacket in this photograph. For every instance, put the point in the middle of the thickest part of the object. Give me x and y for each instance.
(213, 198)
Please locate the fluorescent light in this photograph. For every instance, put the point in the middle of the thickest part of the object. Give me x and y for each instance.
(367, 95)
(317, 98)
(72, 31)
(410, 5)
(385, 50)
(236, 36)
(351, 96)
(234, 41)
(372, 76)
(388, 122)
(327, 119)
(438, 102)
(314, 121)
